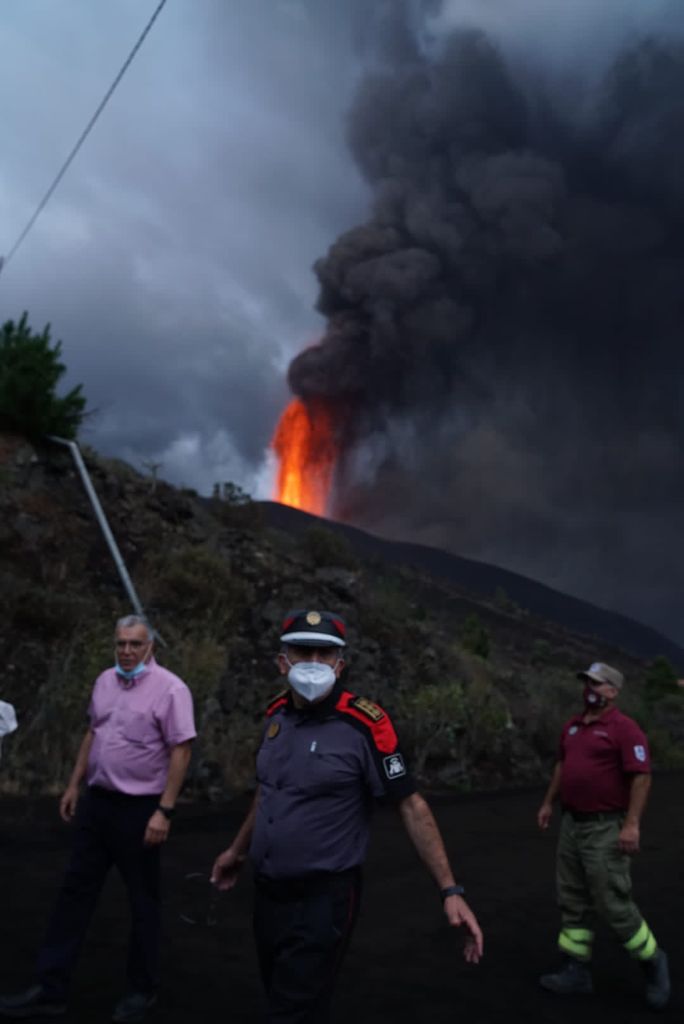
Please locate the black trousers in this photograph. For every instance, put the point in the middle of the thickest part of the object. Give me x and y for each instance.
(302, 928)
(108, 830)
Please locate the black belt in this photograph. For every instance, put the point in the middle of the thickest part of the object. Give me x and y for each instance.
(304, 885)
(116, 794)
(594, 815)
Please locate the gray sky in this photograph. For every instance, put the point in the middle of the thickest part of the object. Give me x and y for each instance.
(174, 259)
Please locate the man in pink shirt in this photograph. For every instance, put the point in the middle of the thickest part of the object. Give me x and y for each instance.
(133, 757)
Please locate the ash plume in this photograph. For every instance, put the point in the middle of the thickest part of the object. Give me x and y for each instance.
(503, 345)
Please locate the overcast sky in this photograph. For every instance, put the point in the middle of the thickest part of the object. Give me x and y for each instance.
(174, 261)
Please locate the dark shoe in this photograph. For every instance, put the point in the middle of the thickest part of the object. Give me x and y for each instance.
(572, 978)
(33, 1002)
(133, 1007)
(657, 974)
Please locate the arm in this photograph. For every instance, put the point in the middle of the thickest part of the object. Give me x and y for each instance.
(424, 833)
(639, 789)
(546, 810)
(227, 865)
(67, 804)
(158, 826)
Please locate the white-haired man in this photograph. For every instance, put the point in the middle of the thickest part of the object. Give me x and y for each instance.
(133, 757)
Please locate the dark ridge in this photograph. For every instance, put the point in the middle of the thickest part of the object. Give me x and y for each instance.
(484, 580)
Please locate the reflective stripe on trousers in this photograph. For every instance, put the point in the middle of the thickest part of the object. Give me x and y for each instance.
(642, 945)
(576, 942)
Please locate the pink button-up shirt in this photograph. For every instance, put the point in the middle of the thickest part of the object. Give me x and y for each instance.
(135, 725)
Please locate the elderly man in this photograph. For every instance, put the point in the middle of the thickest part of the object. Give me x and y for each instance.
(602, 778)
(324, 754)
(133, 757)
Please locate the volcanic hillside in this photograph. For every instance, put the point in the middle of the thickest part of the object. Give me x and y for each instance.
(476, 665)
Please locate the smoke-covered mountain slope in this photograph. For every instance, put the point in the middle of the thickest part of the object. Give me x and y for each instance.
(489, 581)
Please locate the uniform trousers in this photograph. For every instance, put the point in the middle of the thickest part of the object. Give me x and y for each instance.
(594, 879)
(302, 929)
(108, 830)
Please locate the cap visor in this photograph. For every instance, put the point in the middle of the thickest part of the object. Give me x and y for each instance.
(312, 640)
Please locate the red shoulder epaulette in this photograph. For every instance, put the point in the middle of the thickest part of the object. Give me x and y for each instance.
(277, 702)
(373, 717)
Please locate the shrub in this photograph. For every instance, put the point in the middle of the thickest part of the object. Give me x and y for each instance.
(327, 548)
(475, 637)
(660, 680)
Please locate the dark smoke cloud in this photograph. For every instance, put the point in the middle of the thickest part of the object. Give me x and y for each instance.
(503, 343)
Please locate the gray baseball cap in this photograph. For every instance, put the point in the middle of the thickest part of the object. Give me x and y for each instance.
(600, 673)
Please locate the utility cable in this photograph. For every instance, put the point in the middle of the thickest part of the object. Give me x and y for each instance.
(62, 171)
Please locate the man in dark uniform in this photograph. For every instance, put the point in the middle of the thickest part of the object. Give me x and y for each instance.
(602, 778)
(325, 754)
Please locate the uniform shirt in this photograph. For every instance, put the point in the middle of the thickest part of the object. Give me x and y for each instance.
(135, 724)
(598, 760)
(318, 771)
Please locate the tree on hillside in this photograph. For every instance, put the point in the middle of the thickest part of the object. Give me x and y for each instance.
(30, 369)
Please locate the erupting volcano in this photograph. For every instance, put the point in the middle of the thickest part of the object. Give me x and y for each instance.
(304, 442)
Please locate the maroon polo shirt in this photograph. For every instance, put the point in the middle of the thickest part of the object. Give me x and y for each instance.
(598, 760)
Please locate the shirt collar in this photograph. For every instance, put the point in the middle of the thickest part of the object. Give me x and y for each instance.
(321, 708)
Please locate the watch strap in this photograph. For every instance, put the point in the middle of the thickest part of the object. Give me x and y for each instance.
(451, 890)
(168, 812)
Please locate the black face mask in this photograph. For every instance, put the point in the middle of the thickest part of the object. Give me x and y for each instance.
(593, 701)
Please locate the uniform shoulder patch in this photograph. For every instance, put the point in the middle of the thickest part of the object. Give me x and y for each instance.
(368, 708)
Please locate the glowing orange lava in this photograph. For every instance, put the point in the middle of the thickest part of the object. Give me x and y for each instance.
(304, 442)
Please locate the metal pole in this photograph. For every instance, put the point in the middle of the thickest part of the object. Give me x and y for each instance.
(104, 526)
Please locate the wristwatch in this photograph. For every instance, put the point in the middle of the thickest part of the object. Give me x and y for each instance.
(451, 890)
(168, 812)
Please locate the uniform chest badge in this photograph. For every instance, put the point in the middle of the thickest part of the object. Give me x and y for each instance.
(273, 730)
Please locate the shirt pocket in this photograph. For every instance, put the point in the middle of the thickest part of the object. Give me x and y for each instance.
(327, 771)
(139, 728)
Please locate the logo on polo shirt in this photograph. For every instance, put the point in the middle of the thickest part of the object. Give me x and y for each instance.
(640, 753)
(573, 729)
(394, 766)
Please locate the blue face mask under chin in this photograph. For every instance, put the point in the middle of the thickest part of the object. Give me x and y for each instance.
(130, 673)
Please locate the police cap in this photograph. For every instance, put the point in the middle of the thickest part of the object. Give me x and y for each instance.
(302, 628)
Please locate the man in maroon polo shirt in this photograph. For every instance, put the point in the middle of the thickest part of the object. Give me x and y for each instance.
(602, 778)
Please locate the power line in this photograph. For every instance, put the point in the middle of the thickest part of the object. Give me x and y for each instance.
(63, 169)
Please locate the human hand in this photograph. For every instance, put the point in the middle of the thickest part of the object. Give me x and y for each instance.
(544, 815)
(157, 831)
(67, 804)
(224, 873)
(628, 840)
(459, 913)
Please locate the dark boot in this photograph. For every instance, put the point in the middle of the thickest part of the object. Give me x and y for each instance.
(572, 978)
(133, 1007)
(32, 1002)
(657, 975)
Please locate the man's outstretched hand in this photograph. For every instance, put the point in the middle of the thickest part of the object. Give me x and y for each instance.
(459, 913)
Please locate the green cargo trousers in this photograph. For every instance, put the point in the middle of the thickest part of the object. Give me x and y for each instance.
(593, 879)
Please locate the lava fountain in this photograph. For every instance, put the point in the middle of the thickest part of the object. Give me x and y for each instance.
(305, 445)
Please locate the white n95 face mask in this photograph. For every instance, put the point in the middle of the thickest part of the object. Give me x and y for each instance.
(311, 679)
